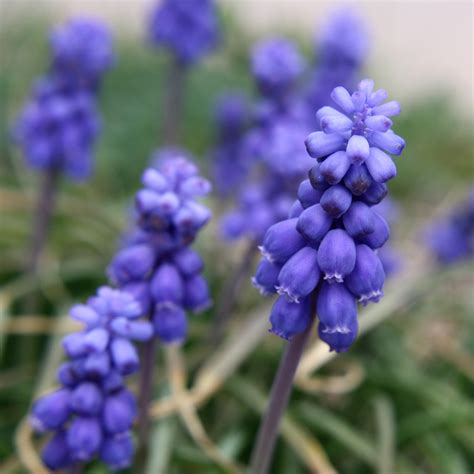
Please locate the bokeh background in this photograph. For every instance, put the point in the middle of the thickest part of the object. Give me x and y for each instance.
(401, 399)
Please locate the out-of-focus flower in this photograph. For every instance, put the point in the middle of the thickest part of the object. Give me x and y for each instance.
(156, 264)
(342, 46)
(91, 414)
(451, 238)
(81, 51)
(327, 249)
(189, 29)
(276, 65)
(57, 129)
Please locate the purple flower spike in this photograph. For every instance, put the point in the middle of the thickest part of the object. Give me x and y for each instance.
(334, 230)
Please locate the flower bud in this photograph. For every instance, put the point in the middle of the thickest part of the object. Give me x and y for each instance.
(196, 294)
(55, 454)
(86, 399)
(124, 355)
(334, 167)
(307, 195)
(266, 277)
(84, 437)
(336, 200)
(319, 145)
(117, 452)
(282, 240)
(166, 284)
(170, 322)
(118, 413)
(357, 179)
(380, 234)
(51, 411)
(380, 166)
(357, 149)
(288, 319)
(314, 223)
(188, 262)
(336, 255)
(300, 275)
(359, 220)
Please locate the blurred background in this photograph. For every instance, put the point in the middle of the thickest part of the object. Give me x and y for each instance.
(401, 399)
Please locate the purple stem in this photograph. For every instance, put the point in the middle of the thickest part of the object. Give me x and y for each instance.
(173, 103)
(279, 397)
(42, 218)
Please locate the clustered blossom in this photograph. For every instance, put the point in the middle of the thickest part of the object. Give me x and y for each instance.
(92, 412)
(59, 124)
(81, 51)
(342, 46)
(189, 29)
(230, 161)
(156, 264)
(327, 248)
(278, 131)
(451, 238)
(57, 129)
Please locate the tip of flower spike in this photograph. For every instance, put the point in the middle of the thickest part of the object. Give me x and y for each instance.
(282, 291)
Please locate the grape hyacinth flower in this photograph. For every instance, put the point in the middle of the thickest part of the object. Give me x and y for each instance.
(330, 242)
(156, 264)
(451, 239)
(57, 129)
(92, 412)
(322, 260)
(188, 28)
(81, 52)
(342, 47)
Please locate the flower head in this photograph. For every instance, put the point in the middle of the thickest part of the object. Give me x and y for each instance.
(188, 28)
(81, 51)
(57, 129)
(93, 409)
(328, 246)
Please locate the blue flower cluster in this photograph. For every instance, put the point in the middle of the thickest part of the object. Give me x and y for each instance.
(91, 414)
(59, 124)
(342, 47)
(156, 264)
(230, 162)
(81, 52)
(329, 242)
(189, 29)
(451, 238)
(57, 129)
(277, 133)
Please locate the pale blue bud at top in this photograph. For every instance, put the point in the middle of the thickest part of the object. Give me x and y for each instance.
(359, 220)
(357, 149)
(336, 255)
(320, 144)
(388, 141)
(86, 399)
(337, 313)
(380, 234)
(314, 222)
(51, 411)
(124, 355)
(282, 240)
(84, 437)
(167, 284)
(196, 294)
(300, 275)
(367, 279)
(170, 322)
(117, 452)
(336, 200)
(380, 166)
(307, 195)
(288, 318)
(84, 314)
(358, 179)
(388, 109)
(335, 167)
(266, 277)
(55, 455)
